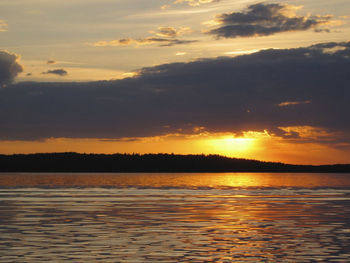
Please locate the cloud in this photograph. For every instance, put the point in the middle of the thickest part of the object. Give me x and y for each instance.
(164, 7)
(265, 19)
(167, 32)
(3, 26)
(307, 133)
(50, 62)
(9, 67)
(224, 94)
(163, 42)
(59, 72)
(195, 2)
(114, 43)
(171, 32)
(180, 53)
(164, 36)
(293, 103)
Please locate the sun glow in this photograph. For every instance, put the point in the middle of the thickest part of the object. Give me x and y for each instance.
(259, 145)
(230, 145)
(240, 144)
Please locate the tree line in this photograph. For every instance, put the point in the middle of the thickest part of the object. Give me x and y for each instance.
(76, 162)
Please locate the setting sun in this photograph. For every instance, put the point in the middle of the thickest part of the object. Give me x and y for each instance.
(230, 145)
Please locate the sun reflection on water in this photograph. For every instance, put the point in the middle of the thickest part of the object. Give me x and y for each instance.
(175, 180)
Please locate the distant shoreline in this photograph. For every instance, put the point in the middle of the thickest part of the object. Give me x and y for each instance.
(136, 163)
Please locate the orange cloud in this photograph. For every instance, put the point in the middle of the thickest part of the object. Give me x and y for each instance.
(195, 2)
(171, 32)
(3, 26)
(293, 103)
(308, 132)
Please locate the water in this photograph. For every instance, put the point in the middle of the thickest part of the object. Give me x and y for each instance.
(175, 217)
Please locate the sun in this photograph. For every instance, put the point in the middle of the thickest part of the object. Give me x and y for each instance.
(231, 146)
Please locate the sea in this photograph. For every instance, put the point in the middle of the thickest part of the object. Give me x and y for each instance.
(176, 217)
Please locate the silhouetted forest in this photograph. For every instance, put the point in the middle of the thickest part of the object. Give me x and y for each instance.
(75, 162)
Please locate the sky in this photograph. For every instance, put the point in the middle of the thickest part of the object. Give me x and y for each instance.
(266, 80)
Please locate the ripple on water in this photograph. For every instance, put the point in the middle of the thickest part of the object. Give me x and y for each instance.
(148, 225)
(145, 223)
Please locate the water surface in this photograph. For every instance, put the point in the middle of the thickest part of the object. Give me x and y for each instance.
(175, 217)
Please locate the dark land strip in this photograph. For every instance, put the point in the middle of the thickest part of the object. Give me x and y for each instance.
(76, 162)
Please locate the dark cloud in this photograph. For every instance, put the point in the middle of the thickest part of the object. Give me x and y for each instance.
(50, 62)
(9, 67)
(265, 19)
(165, 42)
(59, 72)
(164, 36)
(302, 87)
